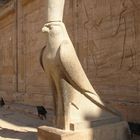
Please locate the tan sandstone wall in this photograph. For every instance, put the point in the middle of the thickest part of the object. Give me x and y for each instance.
(7, 51)
(106, 36)
(21, 40)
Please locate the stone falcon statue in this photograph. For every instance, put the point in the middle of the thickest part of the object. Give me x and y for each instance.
(63, 66)
(74, 97)
(65, 61)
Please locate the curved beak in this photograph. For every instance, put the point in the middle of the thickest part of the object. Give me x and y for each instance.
(47, 26)
(45, 29)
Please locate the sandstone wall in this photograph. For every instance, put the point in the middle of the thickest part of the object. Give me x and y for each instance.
(7, 51)
(21, 40)
(106, 36)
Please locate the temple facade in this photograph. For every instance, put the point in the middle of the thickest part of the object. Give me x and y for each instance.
(106, 36)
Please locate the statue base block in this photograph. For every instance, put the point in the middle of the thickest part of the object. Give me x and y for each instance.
(114, 131)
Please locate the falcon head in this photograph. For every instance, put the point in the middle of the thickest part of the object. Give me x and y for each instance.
(56, 32)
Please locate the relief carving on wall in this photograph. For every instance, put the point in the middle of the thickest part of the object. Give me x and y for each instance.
(108, 39)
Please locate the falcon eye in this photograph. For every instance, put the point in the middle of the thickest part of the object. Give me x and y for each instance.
(54, 27)
(51, 27)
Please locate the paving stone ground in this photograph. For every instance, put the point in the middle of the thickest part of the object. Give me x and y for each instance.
(18, 126)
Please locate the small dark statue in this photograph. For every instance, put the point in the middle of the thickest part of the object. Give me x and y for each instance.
(41, 112)
(134, 128)
(2, 103)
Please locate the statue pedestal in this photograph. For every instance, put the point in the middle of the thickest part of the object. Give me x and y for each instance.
(113, 131)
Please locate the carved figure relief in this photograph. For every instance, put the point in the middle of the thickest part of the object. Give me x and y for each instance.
(102, 24)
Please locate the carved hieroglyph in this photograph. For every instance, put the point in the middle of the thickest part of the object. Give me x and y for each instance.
(75, 99)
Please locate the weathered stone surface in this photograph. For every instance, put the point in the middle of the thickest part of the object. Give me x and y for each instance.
(107, 41)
